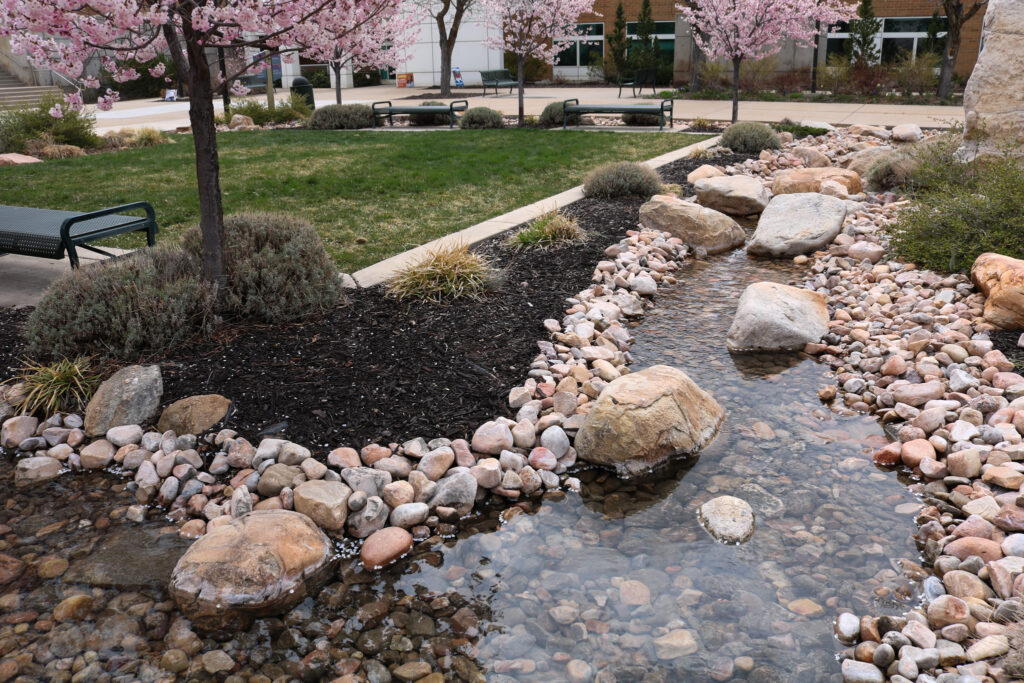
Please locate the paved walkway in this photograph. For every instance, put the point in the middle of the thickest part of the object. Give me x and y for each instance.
(169, 115)
(26, 278)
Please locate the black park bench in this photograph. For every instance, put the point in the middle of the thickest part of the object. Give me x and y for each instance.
(642, 79)
(573, 106)
(387, 109)
(499, 78)
(50, 234)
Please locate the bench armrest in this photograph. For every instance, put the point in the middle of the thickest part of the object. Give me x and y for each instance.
(667, 105)
(65, 227)
(374, 105)
(566, 103)
(464, 104)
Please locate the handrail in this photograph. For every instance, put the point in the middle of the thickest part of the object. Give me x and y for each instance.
(77, 85)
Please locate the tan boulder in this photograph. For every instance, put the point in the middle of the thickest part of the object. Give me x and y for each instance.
(325, 502)
(1001, 279)
(737, 195)
(774, 317)
(258, 565)
(810, 179)
(698, 226)
(992, 99)
(701, 172)
(13, 159)
(811, 157)
(797, 223)
(240, 121)
(642, 418)
(195, 414)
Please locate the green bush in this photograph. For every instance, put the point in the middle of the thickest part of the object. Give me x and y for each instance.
(960, 209)
(294, 109)
(149, 302)
(429, 119)
(552, 116)
(892, 171)
(797, 129)
(277, 268)
(551, 229)
(918, 75)
(448, 272)
(341, 117)
(482, 117)
(318, 78)
(622, 179)
(631, 119)
(19, 125)
(749, 137)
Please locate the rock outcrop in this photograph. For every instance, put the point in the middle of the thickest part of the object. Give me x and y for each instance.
(992, 99)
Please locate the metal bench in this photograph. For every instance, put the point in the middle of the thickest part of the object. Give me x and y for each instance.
(49, 234)
(498, 78)
(642, 79)
(389, 110)
(573, 106)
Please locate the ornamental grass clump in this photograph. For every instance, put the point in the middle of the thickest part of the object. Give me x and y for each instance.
(65, 385)
(341, 117)
(447, 272)
(622, 179)
(149, 302)
(278, 269)
(749, 137)
(482, 117)
(552, 229)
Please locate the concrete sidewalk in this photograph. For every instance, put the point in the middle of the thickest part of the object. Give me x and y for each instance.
(26, 278)
(170, 115)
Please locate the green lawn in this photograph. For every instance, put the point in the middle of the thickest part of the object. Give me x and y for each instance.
(394, 191)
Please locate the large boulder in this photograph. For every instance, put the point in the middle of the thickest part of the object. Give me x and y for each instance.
(131, 396)
(697, 226)
(195, 414)
(1001, 279)
(797, 224)
(738, 195)
(774, 317)
(642, 418)
(992, 98)
(810, 180)
(260, 564)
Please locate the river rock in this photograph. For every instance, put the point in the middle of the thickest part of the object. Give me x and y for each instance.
(861, 672)
(727, 518)
(325, 502)
(738, 195)
(810, 179)
(369, 518)
(797, 224)
(36, 470)
(383, 547)
(1001, 279)
(97, 455)
(195, 414)
(275, 478)
(17, 429)
(457, 490)
(642, 418)
(810, 157)
(992, 97)
(697, 226)
(774, 317)
(907, 132)
(674, 644)
(491, 438)
(408, 515)
(130, 396)
(258, 565)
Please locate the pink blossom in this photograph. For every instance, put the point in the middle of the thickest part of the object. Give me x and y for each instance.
(158, 70)
(106, 102)
(56, 111)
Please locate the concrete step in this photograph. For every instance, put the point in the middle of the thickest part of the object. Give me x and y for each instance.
(25, 94)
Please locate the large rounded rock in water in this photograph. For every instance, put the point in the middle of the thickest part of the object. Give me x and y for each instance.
(642, 418)
(1001, 279)
(773, 317)
(797, 224)
(697, 226)
(739, 195)
(258, 565)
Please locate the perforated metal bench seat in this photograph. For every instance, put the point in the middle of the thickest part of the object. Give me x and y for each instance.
(387, 109)
(51, 234)
(662, 110)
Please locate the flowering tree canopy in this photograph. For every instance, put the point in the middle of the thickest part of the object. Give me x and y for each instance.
(752, 29)
(533, 29)
(64, 35)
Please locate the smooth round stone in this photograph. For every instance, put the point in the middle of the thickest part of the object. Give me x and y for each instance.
(884, 655)
(384, 546)
(1013, 545)
(727, 518)
(847, 627)
(410, 514)
(861, 672)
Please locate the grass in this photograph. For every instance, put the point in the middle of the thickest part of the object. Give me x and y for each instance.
(369, 195)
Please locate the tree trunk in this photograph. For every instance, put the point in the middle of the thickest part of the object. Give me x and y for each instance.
(697, 60)
(949, 56)
(814, 57)
(521, 62)
(736, 88)
(446, 63)
(336, 67)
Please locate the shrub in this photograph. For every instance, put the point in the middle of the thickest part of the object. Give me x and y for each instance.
(552, 116)
(797, 129)
(277, 268)
(149, 137)
(892, 171)
(19, 125)
(749, 137)
(482, 117)
(295, 108)
(757, 74)
(961, 209)
(835, 75)
(912, 75)
(551, 229)
(448, 272)
(148, 302)
(341, 117)
(318, 78)
(701, 123)
(622, 179)
(46, 148)
(714, 75)
(429, 119)
(631, 119)
(62, 386)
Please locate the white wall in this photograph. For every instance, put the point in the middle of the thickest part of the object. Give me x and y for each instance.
(470, 54)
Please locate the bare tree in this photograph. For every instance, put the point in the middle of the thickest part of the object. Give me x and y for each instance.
(958, 13)
(447, 32)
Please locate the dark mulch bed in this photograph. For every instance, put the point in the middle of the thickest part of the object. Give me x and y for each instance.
(1006, 341)
(380, 370)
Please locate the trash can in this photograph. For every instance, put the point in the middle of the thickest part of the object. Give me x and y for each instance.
(301, 86)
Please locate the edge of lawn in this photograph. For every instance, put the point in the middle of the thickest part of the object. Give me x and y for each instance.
(474, 234)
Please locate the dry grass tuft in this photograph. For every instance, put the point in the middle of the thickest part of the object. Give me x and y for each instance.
(552, 229)
(64, 385)
(449, 272)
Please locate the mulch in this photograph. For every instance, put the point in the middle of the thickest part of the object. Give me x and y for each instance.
(1006, 341)
(378, 370)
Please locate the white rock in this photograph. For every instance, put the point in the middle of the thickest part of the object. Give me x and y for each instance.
(727, 518)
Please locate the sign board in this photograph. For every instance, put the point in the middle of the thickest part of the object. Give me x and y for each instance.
(405, 80)
(457, 75)
(171, 95)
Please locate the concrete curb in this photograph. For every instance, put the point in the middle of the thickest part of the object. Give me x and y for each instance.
(474, 234)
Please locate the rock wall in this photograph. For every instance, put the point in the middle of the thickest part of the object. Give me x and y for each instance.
(993, 99)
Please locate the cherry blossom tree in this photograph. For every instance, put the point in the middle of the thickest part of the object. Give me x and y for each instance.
(63, 35)
(753, 29)
(533, 29)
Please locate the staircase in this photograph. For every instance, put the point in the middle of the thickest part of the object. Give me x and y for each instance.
(14, 93)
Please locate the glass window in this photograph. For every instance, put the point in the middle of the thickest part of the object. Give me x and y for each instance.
(585, 50)
(892, 48)
(835, 46)
(661, 28)
(591, 54)
(567, 57)
(912, 25)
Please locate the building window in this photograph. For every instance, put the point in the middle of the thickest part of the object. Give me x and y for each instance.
(665, 32)
(898, 35)
(584, 51)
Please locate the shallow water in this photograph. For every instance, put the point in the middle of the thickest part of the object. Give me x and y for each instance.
(524, 590)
